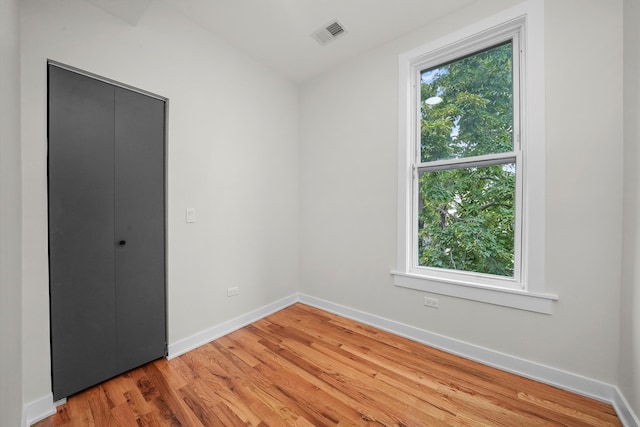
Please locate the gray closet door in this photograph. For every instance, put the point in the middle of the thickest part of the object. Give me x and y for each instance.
(139, 211)
(106, 230)
(81, 228)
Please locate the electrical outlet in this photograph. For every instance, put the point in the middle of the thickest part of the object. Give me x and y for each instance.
(432, 302)
(232, 292)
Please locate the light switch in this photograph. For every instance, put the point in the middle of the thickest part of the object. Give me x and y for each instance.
(191, 215)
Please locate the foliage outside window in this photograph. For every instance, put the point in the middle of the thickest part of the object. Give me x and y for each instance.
(466, 181)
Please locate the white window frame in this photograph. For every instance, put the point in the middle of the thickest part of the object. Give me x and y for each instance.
(524, 24)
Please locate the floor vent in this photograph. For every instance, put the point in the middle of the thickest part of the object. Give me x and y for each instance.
(329, 32)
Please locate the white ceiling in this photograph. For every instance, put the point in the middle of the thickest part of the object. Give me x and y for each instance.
(278, 32)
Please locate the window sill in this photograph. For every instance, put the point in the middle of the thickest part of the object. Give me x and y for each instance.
(514, 298)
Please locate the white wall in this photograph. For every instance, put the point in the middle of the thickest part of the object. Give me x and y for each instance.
(348, 194)
(10, 217)
(629, 370)
(232, 155)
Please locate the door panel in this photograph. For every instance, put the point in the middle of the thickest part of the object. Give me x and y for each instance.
(106, 185)
(81, 227)
(140, 222)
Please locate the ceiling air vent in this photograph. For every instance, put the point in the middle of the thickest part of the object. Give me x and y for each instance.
(329, 32)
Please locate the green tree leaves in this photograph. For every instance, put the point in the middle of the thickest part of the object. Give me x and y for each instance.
(466, 218)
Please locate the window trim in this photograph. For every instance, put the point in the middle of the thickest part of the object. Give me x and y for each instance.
(527, 19)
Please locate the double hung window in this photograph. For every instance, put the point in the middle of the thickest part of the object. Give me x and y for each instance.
(466, 184)
(463, 213)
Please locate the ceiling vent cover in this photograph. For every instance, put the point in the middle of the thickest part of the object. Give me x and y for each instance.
(329, 32)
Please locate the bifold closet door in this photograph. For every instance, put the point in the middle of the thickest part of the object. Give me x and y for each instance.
(139, 212)
(106, 230)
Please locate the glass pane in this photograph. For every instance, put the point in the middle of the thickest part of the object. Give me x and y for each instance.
(466, 219)
(467, 106)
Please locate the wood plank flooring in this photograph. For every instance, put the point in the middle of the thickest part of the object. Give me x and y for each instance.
(305, 367)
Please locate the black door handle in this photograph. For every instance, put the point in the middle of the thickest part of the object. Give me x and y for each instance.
(122, 242)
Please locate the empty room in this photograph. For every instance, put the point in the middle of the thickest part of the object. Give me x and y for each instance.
(319, 212)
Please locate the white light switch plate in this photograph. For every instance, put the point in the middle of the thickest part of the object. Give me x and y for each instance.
(190, 215)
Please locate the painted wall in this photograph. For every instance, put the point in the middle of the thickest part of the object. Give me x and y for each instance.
(630, 311)
(10, 217)
(348, 194)
(232, 155)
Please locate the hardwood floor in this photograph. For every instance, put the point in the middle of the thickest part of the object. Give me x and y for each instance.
(305, 367)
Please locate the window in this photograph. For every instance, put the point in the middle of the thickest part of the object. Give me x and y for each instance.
(466, 184)
(470, 172)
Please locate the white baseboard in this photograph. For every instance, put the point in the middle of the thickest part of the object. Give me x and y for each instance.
(39, 410)
(201, 338)
(624, 411)
(43, 407)
(545, 374)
